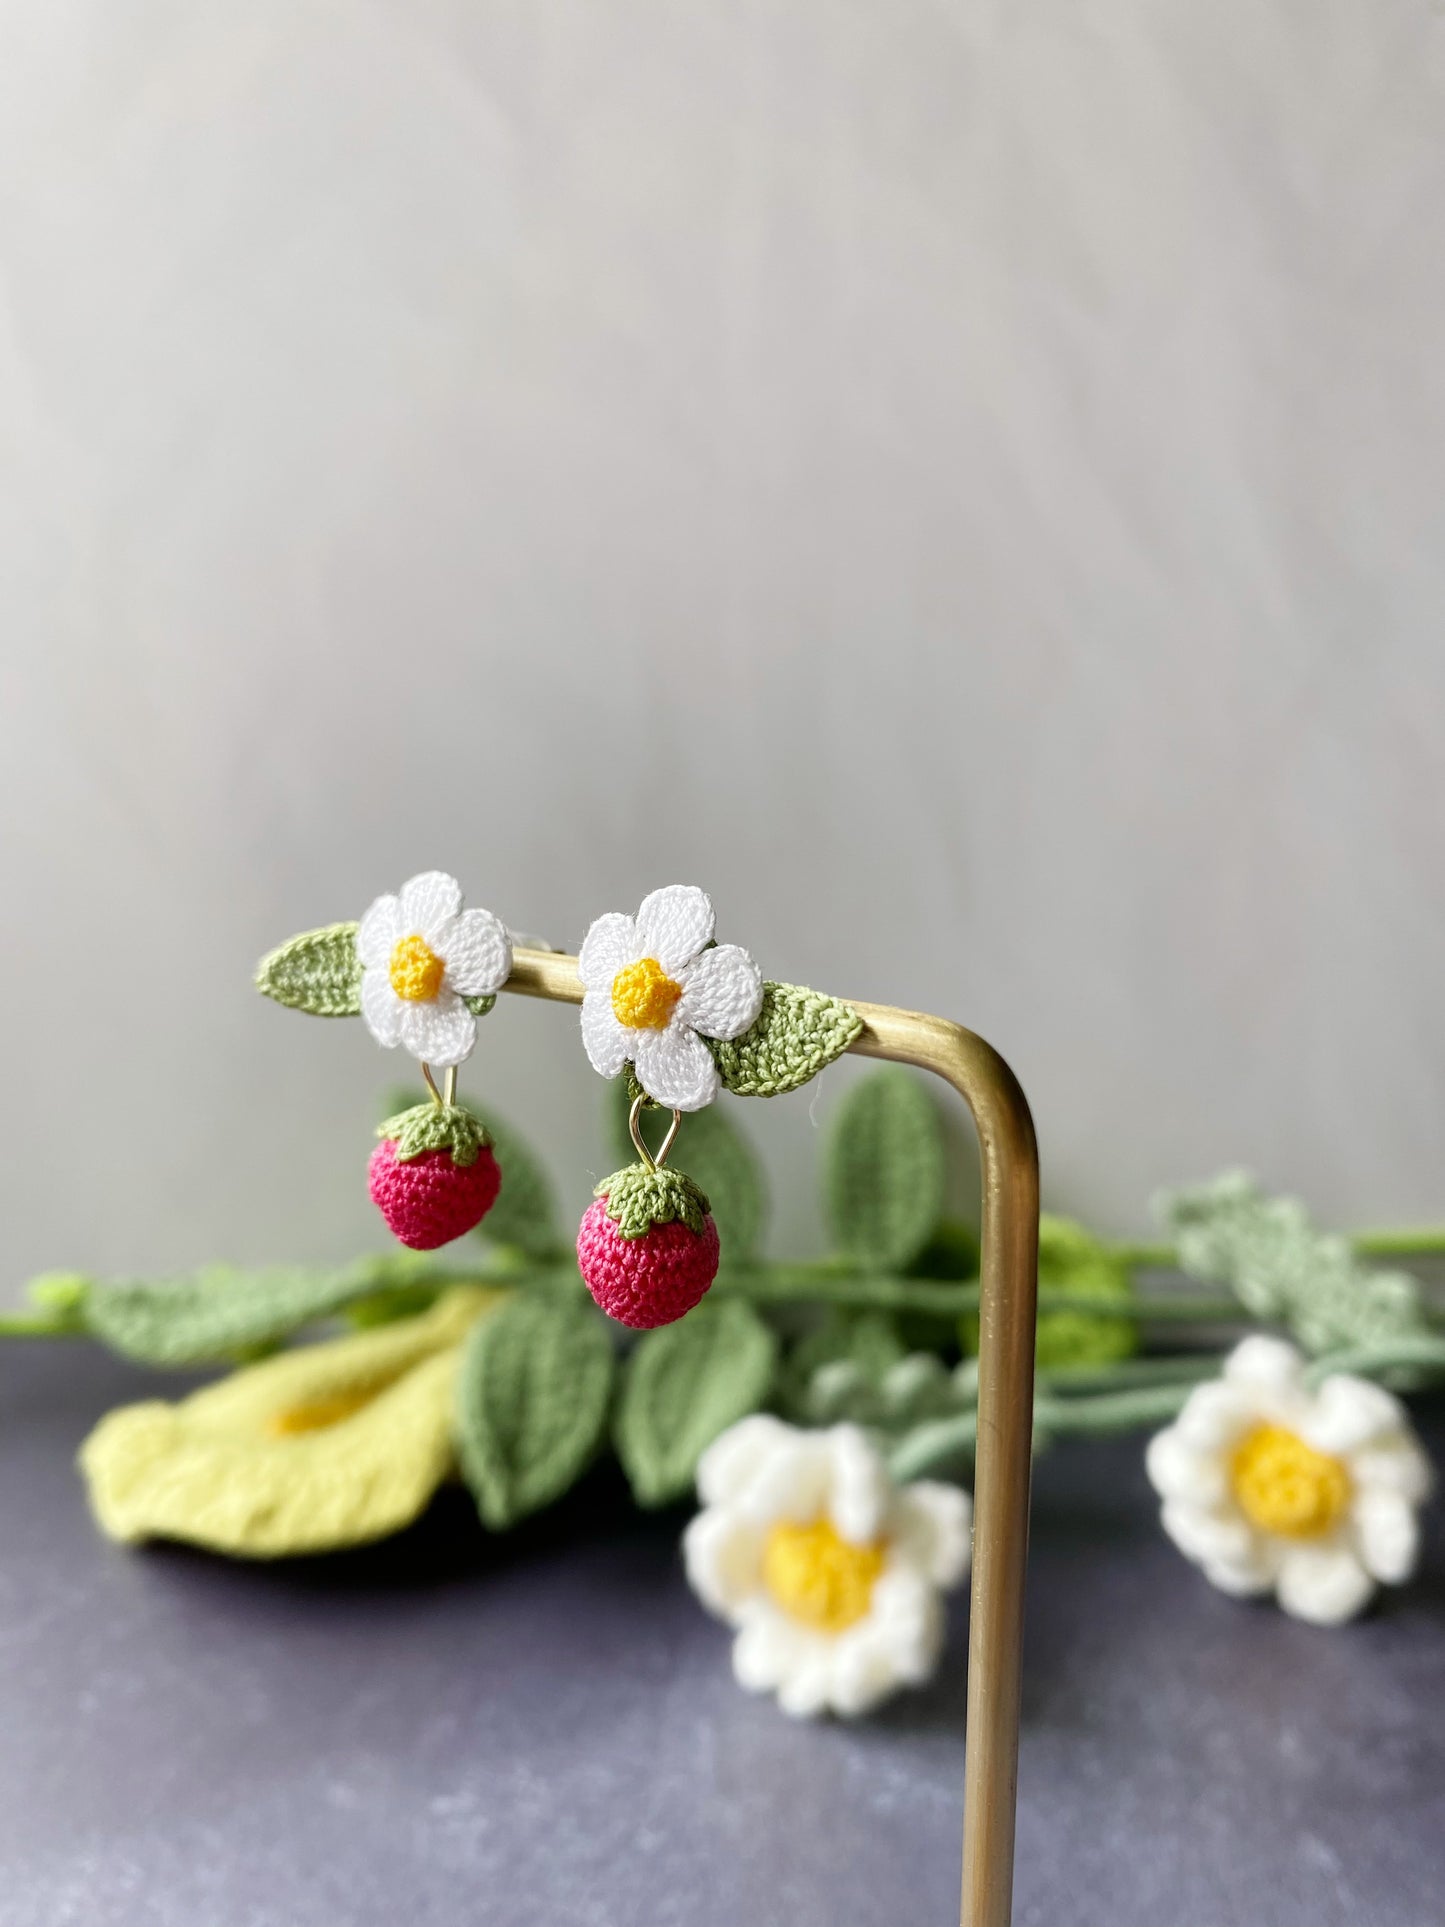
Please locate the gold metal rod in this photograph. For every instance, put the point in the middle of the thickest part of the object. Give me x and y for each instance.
(1008, 1289)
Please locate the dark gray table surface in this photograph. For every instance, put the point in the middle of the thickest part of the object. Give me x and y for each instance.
(542, 1729)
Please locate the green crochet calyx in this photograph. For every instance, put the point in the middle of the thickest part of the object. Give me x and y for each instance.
(436, 1127)
(638, 1199)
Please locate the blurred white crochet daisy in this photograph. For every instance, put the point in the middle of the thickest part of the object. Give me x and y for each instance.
(655, 986)
(1269, 1486)
(422, 956)
(832, 1574)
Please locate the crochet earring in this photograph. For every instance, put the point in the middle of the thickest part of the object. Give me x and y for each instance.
(656, 988)
(429, 970)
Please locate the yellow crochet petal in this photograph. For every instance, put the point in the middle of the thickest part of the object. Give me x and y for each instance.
(330, 1445)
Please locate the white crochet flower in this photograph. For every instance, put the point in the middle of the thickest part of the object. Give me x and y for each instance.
(652, 985)
(1271, 1487)
(422, 955)
(831, 1573)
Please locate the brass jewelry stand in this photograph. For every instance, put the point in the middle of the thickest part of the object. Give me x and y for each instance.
(1009, 1279)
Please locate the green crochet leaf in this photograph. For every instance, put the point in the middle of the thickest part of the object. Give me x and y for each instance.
(798, 1032)
(1280, 1266)
(684, 1384)
(219, 1312)
(884, 1175)
(637, 1199)
(532, 1396)
(1074, 1264)
(717, 1154)
(525, 1214)
(317, 972)
(435, 1127)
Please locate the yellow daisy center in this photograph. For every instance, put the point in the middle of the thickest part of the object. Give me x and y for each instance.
(1286, 1486)
(643, 996)
(416, 971)
(819, 1577)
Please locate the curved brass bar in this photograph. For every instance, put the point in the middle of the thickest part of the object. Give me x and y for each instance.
(1009, 1276)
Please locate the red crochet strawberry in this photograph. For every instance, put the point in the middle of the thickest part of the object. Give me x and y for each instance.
(648, 1248)
(433, 1176)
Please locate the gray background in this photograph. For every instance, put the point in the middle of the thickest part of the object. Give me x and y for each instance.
(959, 479)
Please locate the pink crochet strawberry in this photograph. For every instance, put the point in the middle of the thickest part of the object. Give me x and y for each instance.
(648, 1248)
(433, 1176)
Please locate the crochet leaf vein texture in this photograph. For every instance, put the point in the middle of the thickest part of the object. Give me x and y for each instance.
(219, 1311)
(532, 1398)
(684, 1385)
(797, 1034)
(319, 972)
(1279, 1265)
(885, 1170)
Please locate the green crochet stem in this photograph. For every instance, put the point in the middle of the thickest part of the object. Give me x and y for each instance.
(863, 1291)
(1423, 1242)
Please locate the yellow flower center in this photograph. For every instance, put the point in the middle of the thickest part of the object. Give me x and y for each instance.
(820, 1578)
(416, 971)
(318, 1413)
(1286, 1486)
(643, 996)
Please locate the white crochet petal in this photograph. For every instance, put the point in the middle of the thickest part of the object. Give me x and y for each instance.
(1271, 1364)
(1350, 1412)
(609, 946)
(1209, 1536)
(722, 992)
(674, 923)
(722, 1555)
(859, 1488)
(378, 931)
(440, 1032)
(768, 1648)
(675, 1066)
(477, 952)
(898, 1644)
(931, 1528)
(732, 1460)
(1387, 1533)
(381, 1007)
(427, 902)
(1216, 1415)
(1178, 1469)
(1393, 1465)
(1325, 1584)
(806, 1688)
(1245, 1579)
(606, 1043)
(791, 1481)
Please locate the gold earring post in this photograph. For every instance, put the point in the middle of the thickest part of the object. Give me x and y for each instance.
(1008, 1280)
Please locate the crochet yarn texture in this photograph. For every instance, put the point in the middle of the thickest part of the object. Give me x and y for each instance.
(431, 1199)
(652, 1278)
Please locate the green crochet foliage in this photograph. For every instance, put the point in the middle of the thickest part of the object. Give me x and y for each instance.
(683, 1385)
(797, 1033)
(1073, 1264)
(532, 1395)
(318, 972)
(638, 1199)
(714, 1151)
(1280, 1267)
(436, 1127)
(220, 1312)
(885, 1170)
